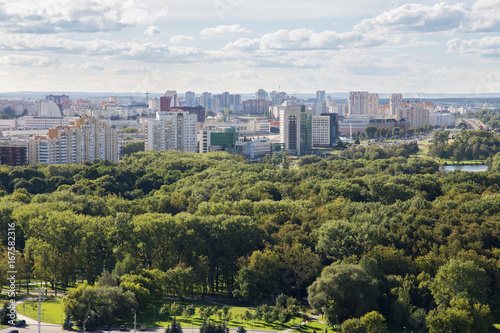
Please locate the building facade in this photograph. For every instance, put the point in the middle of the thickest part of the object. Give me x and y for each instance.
(359, 103)
(88, 140)
(296, 129)
(13, 155)
(172, 131)
(325, 130)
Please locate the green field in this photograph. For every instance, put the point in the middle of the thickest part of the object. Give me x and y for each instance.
(53, 312)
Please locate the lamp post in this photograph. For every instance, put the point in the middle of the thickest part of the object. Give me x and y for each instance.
(39, 307)
(404, 328)
(135, 320)
(154, 314)
(84, 322)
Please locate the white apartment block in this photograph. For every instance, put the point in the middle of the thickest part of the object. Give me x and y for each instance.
(321, 131)
(37, 123)
(255, 149)
(359, 103)
(88, 140)
(48, 109)
(438, 119)
(172, 131)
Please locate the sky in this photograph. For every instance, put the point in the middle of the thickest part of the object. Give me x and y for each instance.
(384, 46)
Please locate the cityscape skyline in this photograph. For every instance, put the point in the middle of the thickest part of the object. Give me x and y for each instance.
(234, 45)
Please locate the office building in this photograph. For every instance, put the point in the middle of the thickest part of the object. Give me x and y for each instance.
(325, 130)
(154, 105)
(58, 99)
(48, 109)
(199, 111)
(373, 103)
(172, 130)
(296, 129)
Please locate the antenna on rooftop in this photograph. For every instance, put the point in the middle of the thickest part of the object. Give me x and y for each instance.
(147, 97)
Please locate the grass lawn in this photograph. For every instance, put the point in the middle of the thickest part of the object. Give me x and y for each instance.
(52, 311)
(314, 325)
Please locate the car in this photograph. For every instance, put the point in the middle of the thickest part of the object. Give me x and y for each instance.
(143, 328)
(106, 328)
(20, 323)
(13, 331)
(123, 328)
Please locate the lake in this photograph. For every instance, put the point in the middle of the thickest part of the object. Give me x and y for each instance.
(466, 167)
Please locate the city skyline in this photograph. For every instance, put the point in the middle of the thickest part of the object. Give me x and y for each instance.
(235, 45)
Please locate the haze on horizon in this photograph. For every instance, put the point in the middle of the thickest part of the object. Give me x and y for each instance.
(239, 46)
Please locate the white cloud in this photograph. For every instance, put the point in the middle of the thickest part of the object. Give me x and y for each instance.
(92, 66)
(51, 16)
(223, 30)
(152, 31)
(484, 17)
(418, 18)
(27, 61)
(180, 39)
(487, 47)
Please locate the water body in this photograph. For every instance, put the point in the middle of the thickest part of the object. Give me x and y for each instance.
(466, 167)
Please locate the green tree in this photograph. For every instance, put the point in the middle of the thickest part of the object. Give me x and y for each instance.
(175, 327)
(370, 131)
(353, 325)
(133, 147)
(336, 282)
(460, 279)
(374, 322)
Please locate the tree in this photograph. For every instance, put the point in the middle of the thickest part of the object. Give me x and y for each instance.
(460, 279)
(133, 147)
(353, 325)
(374, 322)
(336, 282)
(331, 312)
(175, 327)
(370, 131)
(308, 159)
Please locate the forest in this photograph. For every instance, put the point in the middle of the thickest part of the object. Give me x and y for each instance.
(345, 236)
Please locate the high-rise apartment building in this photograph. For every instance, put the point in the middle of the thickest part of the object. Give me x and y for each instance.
(261, 95)
(296, 129)
(48, 109)
(320, 96)
(359, 103)
(395, 101)
(172, 131)
(13, 155)
(190, 98)
(88, 140)
(373, 104)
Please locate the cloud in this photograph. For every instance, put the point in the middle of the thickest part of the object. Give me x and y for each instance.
(180, 39)
(483, 17)
(223, 30)
(92, 66)
(417, 18)
(487, 47)
(152, 31)
(53, 16)
(28, 61)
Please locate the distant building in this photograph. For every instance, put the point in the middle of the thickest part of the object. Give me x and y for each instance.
(395, 101)
(373, 104)
(320, 96)
(190, 98)
(169, 100)
(296, 129)
(359, 103)
(36, 123)
(325, 130)
(154, 105)
(48, 109)
(58, 99)
(88, 140)
(255, 149)
(174, 130)
(222, 139)
(353, 124)
(442, 118)
(199, 111)
(13, 155)
(256, 106)
(261, 95)
(414, 114)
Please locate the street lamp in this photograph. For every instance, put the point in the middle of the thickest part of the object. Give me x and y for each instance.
(40, 307)
(84, 322)
(154, 314)
(135, 320)
(404, 328)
